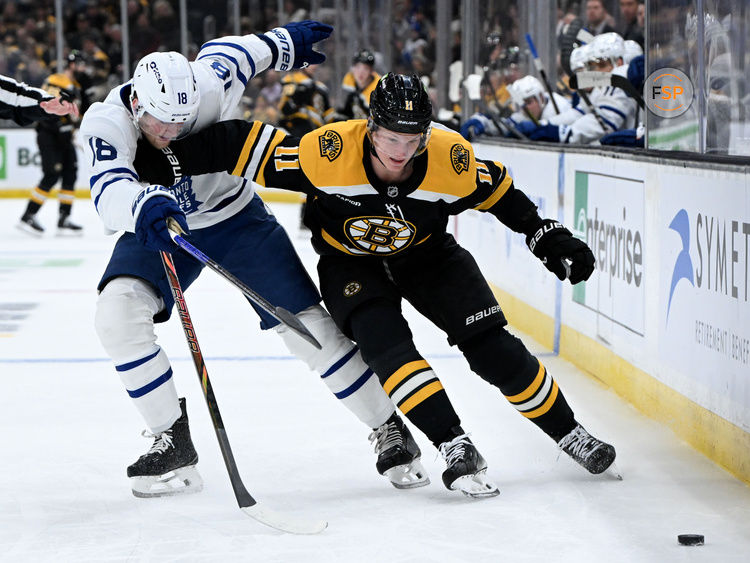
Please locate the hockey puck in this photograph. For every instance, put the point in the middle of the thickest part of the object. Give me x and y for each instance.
(690, 539)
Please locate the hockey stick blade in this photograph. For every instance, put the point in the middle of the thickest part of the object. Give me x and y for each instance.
(278, 313)
(284, 522)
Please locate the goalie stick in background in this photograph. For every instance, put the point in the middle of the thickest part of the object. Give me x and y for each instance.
(170, 97)
(380, 192)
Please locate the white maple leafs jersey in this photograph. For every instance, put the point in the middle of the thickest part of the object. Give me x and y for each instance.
(616, 109)
(110, 138)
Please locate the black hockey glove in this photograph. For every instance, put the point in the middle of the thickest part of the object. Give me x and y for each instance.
(554, 245)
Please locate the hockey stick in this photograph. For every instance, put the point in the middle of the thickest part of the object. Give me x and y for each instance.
(594, 78)
(506, 126)
(278, 313)
(540, 68)
(245, 501)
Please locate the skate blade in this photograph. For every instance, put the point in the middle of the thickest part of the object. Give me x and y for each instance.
(67, 233)
(475, 486)
(408, 476)
(284, 522)
(24, 228)
(177, 482)
(613, 471)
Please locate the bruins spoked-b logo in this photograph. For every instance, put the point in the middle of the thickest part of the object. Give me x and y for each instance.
(352, 288)
(330, 145)
(379, 235)
(459, 158)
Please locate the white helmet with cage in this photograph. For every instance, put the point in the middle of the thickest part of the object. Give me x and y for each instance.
(608, 47)
(525, 88)
(579, 57)
(632, 50)
(164, 95)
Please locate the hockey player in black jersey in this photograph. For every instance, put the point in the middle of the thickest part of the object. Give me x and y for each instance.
(380, 192)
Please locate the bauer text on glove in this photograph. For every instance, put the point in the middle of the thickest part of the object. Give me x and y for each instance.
(292, 45)
(553, 244)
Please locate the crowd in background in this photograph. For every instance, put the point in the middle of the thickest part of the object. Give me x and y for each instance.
(28, 39)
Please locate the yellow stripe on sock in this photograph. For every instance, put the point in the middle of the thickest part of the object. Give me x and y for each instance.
(402, 373)
(420, 396)
(38, 196)
(546, 406)
(531, 389)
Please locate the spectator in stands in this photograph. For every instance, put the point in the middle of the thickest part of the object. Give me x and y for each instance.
(597, 18)
(629, 21)
(271, 89)
(163, 21)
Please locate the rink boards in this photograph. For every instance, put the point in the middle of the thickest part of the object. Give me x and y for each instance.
(664, 318)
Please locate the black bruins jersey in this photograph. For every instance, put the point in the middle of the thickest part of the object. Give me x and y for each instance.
(349, 210)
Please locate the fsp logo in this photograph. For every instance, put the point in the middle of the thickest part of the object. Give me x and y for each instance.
(379, 235)
(668, 92)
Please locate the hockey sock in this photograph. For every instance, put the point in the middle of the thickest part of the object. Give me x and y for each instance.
(32, 208)
(65, 197)
(502, 359)
(420, 395)
(340, 365)
(124, 322)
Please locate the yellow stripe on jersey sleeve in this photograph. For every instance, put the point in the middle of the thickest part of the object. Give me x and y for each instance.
(278, 136)
(497, 194)
(242, 161)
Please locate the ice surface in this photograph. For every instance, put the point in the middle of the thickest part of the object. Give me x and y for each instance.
(68, 430)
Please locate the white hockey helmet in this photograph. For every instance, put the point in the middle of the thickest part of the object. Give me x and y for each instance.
(579, 57)
(608, 47)
(167, 95)
(632, 50)
(525, 88)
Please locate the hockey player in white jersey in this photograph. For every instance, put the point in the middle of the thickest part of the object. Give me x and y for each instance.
(169, 98)
(612, 110)
(533, 102)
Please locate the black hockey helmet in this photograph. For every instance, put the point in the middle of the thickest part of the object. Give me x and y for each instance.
(364, 56)
(400, 103)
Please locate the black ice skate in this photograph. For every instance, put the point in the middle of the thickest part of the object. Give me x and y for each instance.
(67, 227)
(466, 468)
(28, 224)
(591, 453)
(168, 468)
(398, 454)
